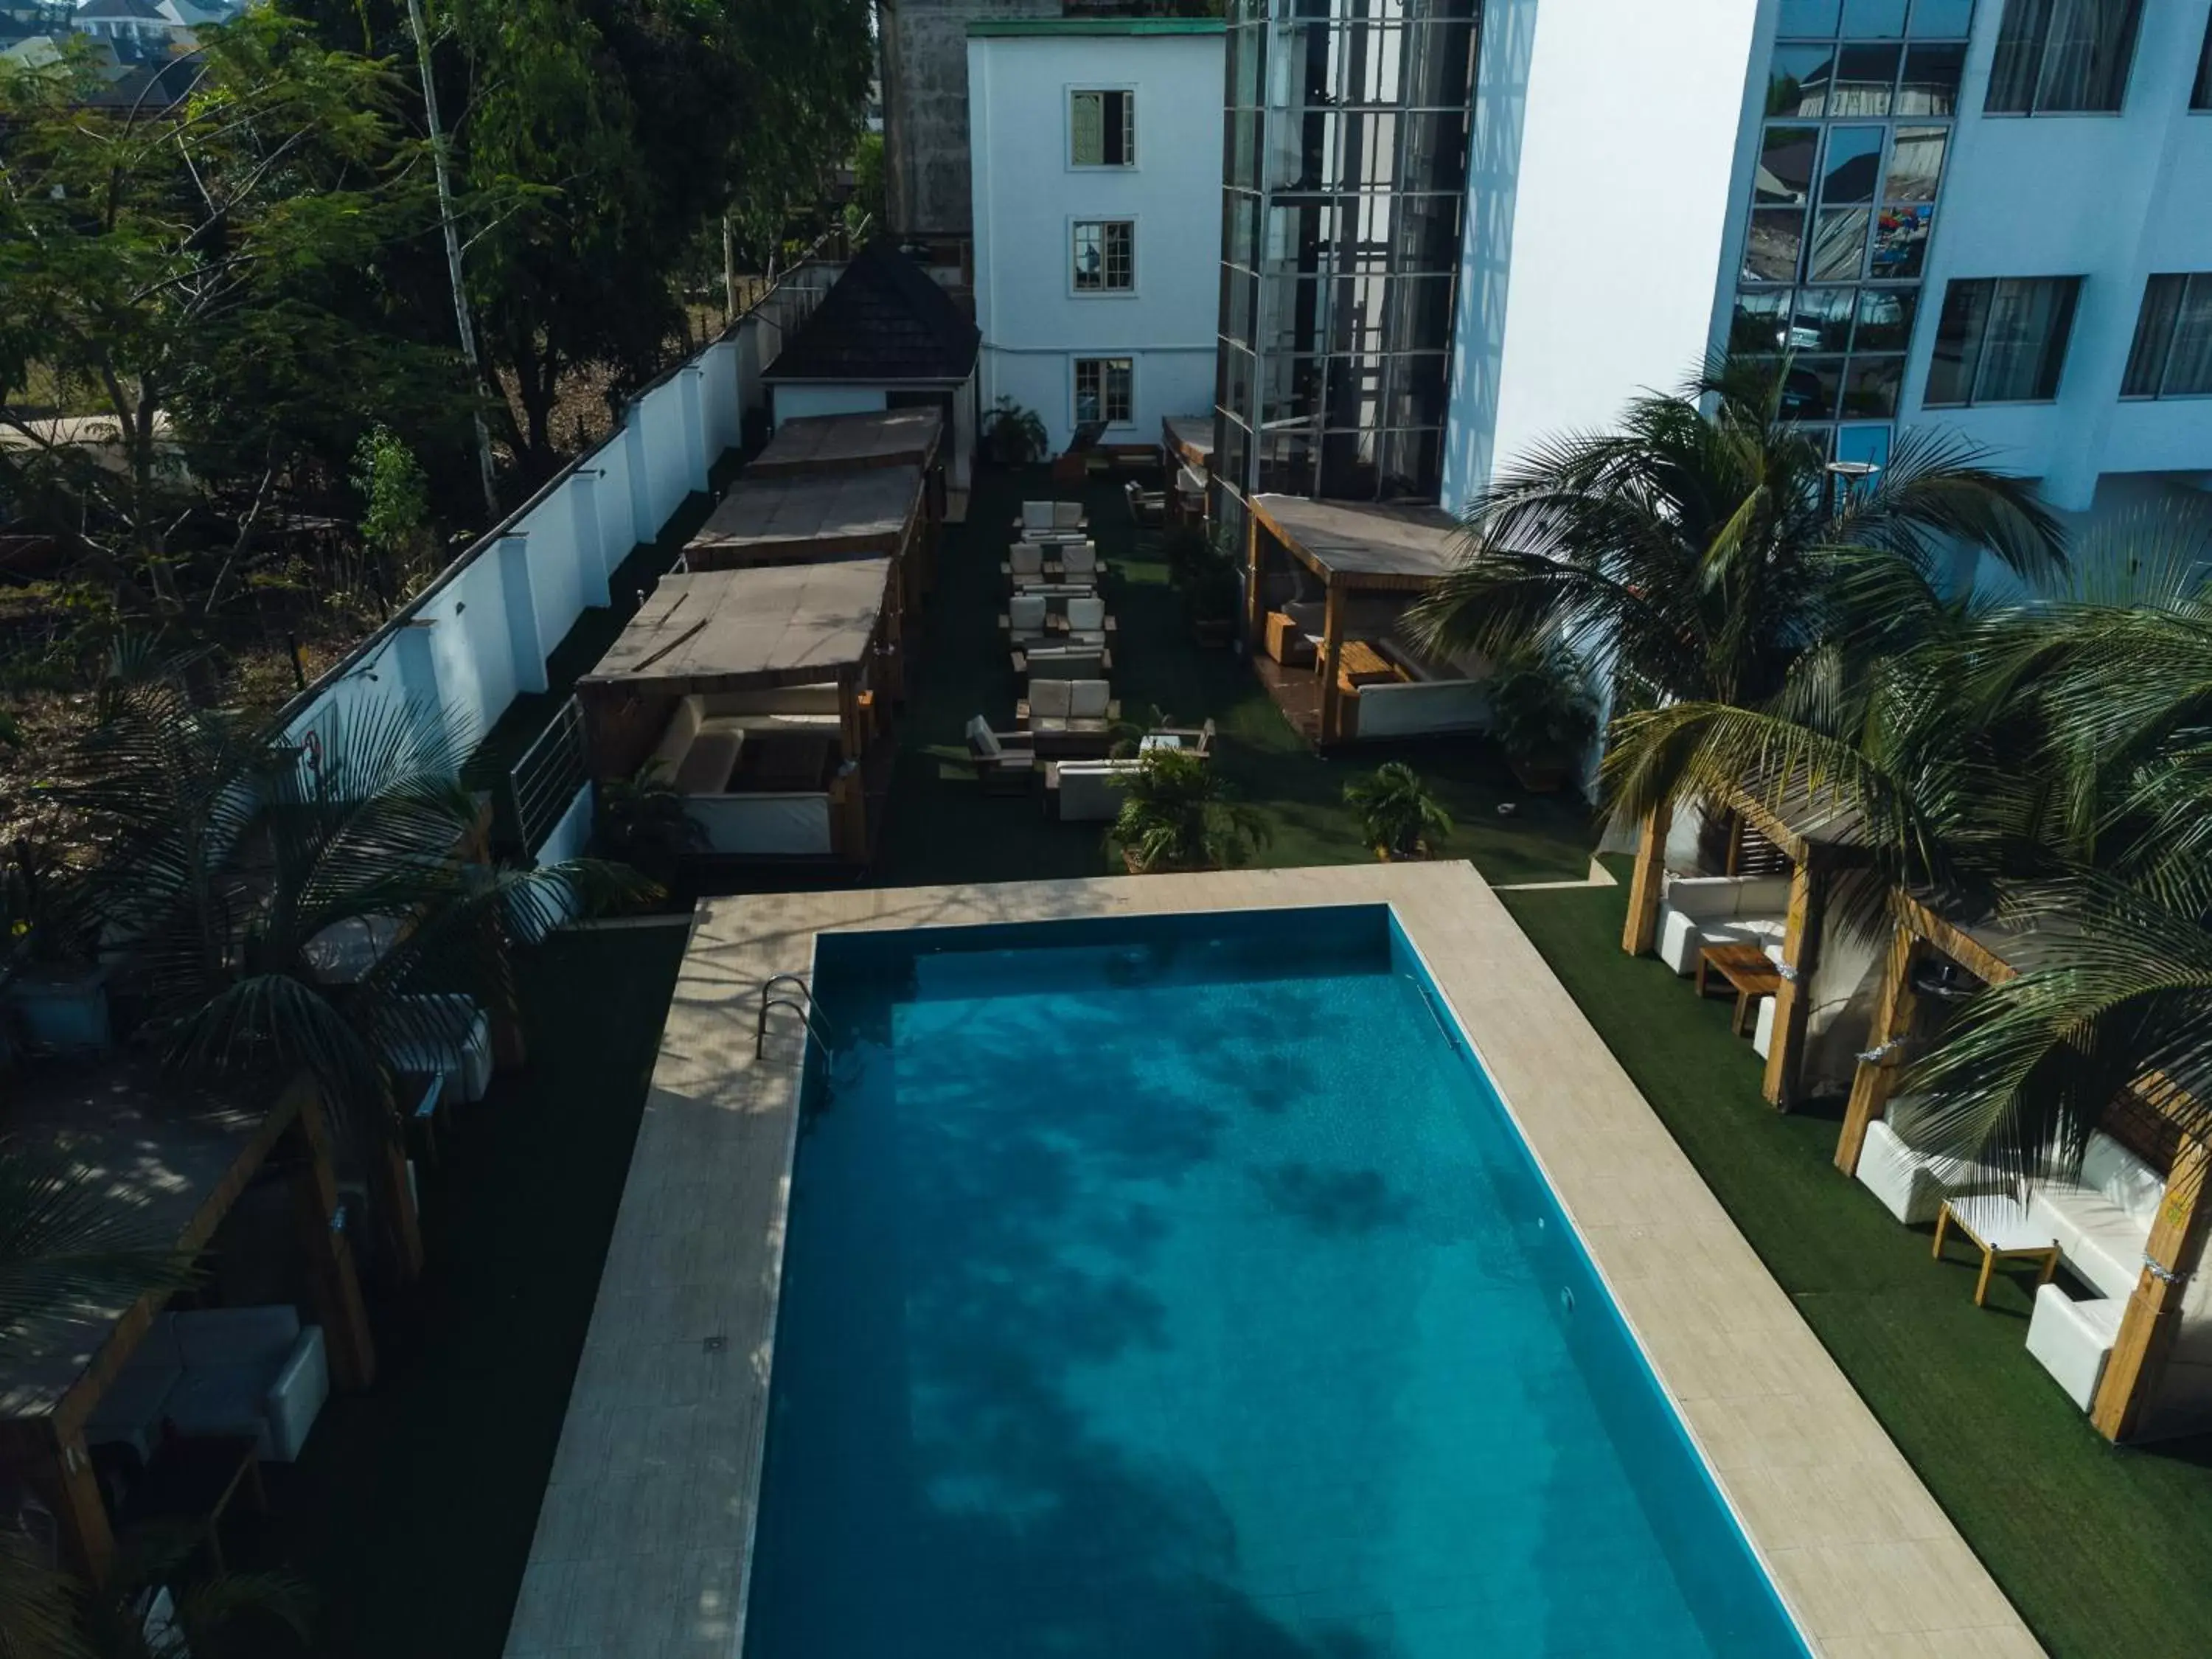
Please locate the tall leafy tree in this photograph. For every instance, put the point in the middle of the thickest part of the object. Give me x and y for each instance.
(194, 268)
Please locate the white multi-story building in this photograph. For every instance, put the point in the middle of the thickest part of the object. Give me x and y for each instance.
(1991, 218)
(1095, 152)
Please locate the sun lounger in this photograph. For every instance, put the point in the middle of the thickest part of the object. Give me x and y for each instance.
(1068, 717)
(1005, 763)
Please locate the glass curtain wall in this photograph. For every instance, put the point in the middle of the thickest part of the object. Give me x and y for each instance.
(1344, 180)
(1860, 100)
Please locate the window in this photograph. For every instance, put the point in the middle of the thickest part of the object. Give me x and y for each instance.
(1102, 391)
(2002, 341)
(2173, 354)
(2200, 95)
(1105, 256)
(1102, 129)
(2062, 56)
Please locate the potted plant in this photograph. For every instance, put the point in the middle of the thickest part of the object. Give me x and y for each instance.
(1398, 816)
(643, 824)
(1542, 713)
(53, 991)
(1176, 815)
(1210, 588)
(1014, 435)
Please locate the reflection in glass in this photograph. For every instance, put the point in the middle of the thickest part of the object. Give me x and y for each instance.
(1798, 82)
(1870, 389)
(1802, 17)
(1785, 166)
(1770, 253)
(1852, 168)
(1930, 86)
(1900, 242)
(1810, 390)
(1822, 320)
(1871, 19)
(1759, 320)
(1839, 245)
(1915, 163)
(1942, 20)
(1864, 76)
(1885, 318)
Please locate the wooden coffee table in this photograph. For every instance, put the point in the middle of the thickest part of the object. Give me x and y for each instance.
(1750, 972)
(1999, 1227)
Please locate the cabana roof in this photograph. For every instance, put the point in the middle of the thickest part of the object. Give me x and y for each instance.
(164, 1162)
(819, 515)
(1364, 544)
(1801, 820)
(750, 629)
(1191, 437)
(851, 443)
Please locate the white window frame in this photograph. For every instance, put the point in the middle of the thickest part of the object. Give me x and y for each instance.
(1075, 387)
(1075, 289)
(1074, 90)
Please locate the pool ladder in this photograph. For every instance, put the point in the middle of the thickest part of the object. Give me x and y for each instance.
(803, 1005)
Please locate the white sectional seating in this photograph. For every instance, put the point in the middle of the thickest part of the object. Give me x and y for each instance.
(1913, 1184)
(255, 1371)
(1700, 910)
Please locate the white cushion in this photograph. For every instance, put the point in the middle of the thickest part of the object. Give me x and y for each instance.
(1089, 612)
(1025, 611)
(1762, 1029)
(1026, 558)
(2122, 1177)
(1036, 514)
(1087, 699)
(2073, 1339)
(980, 738)
(1080, 561)
(1066, 515)
(1683, 934)
(1712, 897)
(1051, 698)
(1912, 1185)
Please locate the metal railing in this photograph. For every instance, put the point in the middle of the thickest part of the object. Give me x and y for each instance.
(543, 783)
(802, 1004)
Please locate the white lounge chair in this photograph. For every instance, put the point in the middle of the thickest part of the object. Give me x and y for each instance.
(1087, 621)
(1079, 561)
(1700, 910)
(1067, 515)
(2073, 1339)
(1083, 791)
(1023, 565)
(1912, 1184)
(1069, 717)
(1025, 618)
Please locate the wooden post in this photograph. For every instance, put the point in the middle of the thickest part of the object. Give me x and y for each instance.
(1255, 605)
(87, 1539)
(334, 1280)
(396, 1199)
(1642, 931)
(1332, 657)
(1894, 1010)
(2153, 1318)
(1801, 954)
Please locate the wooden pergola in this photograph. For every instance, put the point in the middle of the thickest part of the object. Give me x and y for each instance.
(169, 1163)
(1354, 547)
(807, 518)
(852, 443)
(1186, 445)
(2175, 1249)
(1821, 842)
(752, 629)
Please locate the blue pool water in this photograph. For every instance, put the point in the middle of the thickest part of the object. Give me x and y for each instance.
(1177, 1289)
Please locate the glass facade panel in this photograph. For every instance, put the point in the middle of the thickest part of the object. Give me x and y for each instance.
(1929, 85)
(1901, 241)
(1839, 250)
(1865, 18)
(1852, 171)
(1915, 163)
(1942, 20)
(1809, 17)
(2200, 95)
(1339, 301)
(2062, 56)
(1785, 166)
(2172, 353)
(1771, 250)
(1102, 391)
(2002, 340)
(1885, 318)
(1821, 320)
(1761, 320)
(1870, 388)
(1799, 81)
(1865, 78)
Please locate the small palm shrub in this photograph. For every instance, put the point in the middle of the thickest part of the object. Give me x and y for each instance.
(1543, 713)
(1015, 435)
(1398, 816)
(643, 824)
(1176, 815)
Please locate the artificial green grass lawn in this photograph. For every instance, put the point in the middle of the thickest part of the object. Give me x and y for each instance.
(942, 829)
(2105, 1551)
(411, 1513)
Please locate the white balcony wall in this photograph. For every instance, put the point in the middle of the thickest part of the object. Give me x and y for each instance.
(1029, 196)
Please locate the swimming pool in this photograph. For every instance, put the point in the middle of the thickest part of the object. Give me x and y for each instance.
(1178, 1286)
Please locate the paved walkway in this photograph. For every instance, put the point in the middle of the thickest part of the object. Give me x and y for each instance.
(648, 1521)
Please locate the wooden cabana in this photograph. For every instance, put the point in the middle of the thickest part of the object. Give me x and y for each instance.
(808, 517)
(757, 692)
(1356, 551)
(1821, 842)
(2173, 1255)
(1186, 459)
(169, 1164)
(854, 443)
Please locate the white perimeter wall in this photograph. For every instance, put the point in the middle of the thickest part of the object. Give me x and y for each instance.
(1027, 198)
(1601, 180)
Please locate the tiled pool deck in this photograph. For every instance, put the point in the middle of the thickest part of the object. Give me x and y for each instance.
(646, 1522)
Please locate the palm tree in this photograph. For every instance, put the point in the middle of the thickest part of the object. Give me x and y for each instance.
(1397, 814)
(231, 860)
(2049, 766)
(1176, 815)
(1701, 548)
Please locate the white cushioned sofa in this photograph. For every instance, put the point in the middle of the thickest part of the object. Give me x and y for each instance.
(2102, 1219)
(254, 1371)
(1912, 1184)
(1696, 911)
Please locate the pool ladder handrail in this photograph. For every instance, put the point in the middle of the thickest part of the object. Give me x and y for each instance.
(814, 1022)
